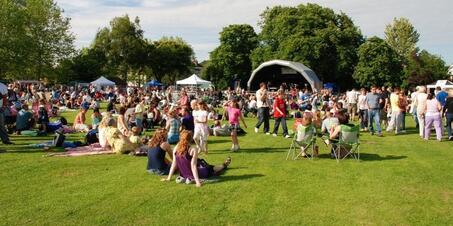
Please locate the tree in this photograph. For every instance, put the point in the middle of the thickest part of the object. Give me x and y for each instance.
(424, 68)
(313, 35)
(378, 64)
(402, 36)
(123, 47)
(170, 59)
(231, 60)
(34, 38)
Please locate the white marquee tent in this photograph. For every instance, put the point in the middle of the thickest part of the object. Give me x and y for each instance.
(193, 80)
(444, 84)
(102, 81)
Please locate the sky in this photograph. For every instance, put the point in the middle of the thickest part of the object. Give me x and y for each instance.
(199, 22)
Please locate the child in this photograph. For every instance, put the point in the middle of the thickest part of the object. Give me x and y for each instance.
(134, 137)
(234, 114)
(96, 118)
(43, 117)
(201, 131)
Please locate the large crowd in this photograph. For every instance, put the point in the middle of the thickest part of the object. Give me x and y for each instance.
(182, 120)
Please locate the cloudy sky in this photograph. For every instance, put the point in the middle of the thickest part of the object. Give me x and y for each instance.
(200, 21)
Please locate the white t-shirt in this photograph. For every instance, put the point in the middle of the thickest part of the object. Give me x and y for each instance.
(351, 97)
(362, 102)
(199, 115)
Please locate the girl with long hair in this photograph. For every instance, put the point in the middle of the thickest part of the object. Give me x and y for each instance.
(158, 147)
(234, 114)
(185, 159)
(201, 131)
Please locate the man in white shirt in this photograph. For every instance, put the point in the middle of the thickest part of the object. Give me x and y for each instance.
(413, 108)
(262, 103)
(351, 99)
(420, 102)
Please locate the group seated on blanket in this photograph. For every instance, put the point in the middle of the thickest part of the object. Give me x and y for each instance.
(191, 168)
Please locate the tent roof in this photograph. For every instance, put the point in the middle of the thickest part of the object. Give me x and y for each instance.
(193, 80)
(308, 74)
(441, 83)
(102, 81)
(154, 82)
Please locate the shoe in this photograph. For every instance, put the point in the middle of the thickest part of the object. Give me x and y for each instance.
(372, 133)
(8, 142)
(450, 138)
(287, 136)
(274, 135)
(256, 130)
(380, 135)
(269, 133)
(233, 147)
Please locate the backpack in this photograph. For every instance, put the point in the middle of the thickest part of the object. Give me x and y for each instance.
(91, 137)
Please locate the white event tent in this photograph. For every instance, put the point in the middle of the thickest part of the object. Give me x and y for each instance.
(193, 80)
(102, 81)
(443, 84)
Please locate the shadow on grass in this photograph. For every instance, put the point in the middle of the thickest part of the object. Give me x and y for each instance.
(239, 177)
(370, 157)
(218, 141)
(248, 150)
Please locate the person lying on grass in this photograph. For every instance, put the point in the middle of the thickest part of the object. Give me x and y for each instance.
(185, 159)
(157, 148)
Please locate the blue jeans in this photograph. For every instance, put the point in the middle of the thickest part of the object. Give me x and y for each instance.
(263, 117)
(449, 117)
(374, 114)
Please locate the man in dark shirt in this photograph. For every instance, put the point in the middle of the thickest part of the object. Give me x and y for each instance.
(373, 102)
(187, 120)
(448, 110)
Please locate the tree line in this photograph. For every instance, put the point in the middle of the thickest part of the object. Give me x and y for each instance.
(36, 43)
(330, 44)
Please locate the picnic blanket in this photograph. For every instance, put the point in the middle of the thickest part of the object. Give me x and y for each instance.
(93, 149)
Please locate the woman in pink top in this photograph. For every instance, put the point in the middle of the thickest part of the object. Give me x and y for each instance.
(433, 117)
(234, 114)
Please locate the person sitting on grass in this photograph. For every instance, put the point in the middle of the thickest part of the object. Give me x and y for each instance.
(185, 159)
(120, 144)
(173, 126)
(24, 119)
(79, 121)
(157, 148)
(96, 118)
(134, 137)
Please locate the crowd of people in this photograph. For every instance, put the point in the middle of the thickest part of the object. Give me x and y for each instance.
(183, 118)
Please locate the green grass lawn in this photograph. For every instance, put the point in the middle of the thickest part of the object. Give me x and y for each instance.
(400, 180)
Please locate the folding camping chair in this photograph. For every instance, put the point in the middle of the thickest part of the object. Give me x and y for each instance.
(305, 138)
(348, 143)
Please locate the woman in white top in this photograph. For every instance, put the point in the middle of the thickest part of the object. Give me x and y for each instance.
(433, 117)
(201, 131)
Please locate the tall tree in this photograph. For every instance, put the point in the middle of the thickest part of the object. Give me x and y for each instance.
(313, 35)
(424, 68)
(123, 46)
(34, 37)
(378, 64)
(231, 60)
(402, 36)
(171, 59)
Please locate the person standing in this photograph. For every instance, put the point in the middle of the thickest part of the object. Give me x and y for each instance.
(363, 110)
(280, 114)
(395, 119)
(420, 102)
(433, 117)
(262, 98)
(413, 108)
(448, 111)
(351, 99)
(139, 111)
(3, 132)
(373, 102)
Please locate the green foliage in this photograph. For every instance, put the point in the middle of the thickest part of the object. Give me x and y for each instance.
(34, 38)
(424, 68)
(231, 60)
(171, 59)
(313, 35)
(378, 64)
(402, 36)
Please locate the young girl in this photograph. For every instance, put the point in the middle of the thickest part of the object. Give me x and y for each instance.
(185, 159)
(96, 118)
(234, 114)
(201, 131)
(134, 137)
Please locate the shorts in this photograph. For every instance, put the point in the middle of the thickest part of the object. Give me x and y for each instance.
(233, 127)
(173, 138)
(352, 108)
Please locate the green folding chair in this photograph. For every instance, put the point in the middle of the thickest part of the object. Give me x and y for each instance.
(305, 139)
(348, 142)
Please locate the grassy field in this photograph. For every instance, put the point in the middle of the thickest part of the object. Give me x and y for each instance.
(400, 180)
